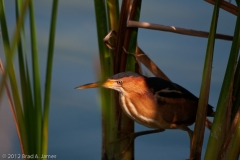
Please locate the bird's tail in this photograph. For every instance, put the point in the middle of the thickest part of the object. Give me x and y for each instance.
(210, 111)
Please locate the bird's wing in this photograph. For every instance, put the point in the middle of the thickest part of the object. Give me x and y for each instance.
(176, 104)
(168, 89)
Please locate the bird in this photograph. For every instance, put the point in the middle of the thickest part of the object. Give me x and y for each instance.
(154, 102)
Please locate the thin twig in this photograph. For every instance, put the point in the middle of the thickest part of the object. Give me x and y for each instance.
(177, 30)
(12, 108)
(106, 39)
(226, 6)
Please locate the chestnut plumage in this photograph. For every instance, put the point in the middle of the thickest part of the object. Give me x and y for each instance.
(154, 102)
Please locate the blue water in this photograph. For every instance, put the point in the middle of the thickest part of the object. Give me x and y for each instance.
(75, 117)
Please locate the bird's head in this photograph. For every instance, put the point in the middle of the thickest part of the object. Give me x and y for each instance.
(125, 82)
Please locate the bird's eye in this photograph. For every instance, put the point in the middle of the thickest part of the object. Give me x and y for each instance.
(119, 82)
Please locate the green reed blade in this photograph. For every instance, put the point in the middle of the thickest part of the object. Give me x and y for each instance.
(49, 77)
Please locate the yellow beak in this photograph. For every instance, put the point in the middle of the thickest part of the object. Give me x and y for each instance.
(107, 84)
(89, 85)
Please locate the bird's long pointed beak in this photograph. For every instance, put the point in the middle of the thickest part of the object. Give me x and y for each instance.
(89, 85)
(106, 84)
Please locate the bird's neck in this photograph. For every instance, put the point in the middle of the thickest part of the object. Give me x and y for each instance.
(138, 107)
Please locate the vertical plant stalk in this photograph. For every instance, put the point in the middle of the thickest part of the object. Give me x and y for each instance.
(236, 90)
(28, 114)
(127, 39)
(113, 110)
(27, 99)
(48, 79)
(235, 144)
(197, 141)
(108, 120)
(125, 124)
(36, 81)
(236, 85)
(12, 109)
(231, 146)
(120, 59)
(131, 43)
(220, 123)
(113, 14)
(9, 51)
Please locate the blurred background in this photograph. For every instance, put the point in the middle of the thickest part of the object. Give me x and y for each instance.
(75, 116)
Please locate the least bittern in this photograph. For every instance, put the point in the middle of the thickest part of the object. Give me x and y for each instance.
(154, 102)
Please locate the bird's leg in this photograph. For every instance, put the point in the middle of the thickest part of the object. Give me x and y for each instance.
(190, 133)
(208, 124)
(137, 134)
(132, 136)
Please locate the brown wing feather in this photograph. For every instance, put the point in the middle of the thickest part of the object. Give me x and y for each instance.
(177, 105)
(177, 111)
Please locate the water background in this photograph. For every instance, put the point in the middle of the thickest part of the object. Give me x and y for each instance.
(75, 122)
